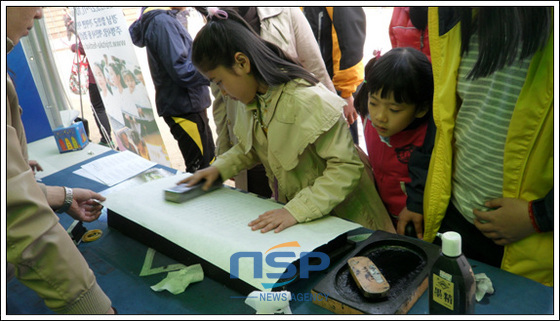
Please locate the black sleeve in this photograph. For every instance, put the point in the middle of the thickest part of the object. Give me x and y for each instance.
(350, 26)
(543, 210)
(418, 170)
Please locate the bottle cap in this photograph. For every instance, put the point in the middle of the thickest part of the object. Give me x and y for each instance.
(451, 244)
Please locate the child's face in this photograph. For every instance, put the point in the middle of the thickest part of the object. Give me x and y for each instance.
(130, 83)
(389, 117)
(99, 77)
(114, 77)
(236, 82)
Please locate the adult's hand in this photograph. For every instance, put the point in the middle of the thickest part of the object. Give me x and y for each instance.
(35, 166)
(349, 111)
(84, 207)
(508, 222)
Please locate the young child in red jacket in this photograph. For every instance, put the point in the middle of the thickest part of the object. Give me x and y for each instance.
(395, 102)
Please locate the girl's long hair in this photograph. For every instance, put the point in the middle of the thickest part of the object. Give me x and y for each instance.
(406, 72)
(501, 31)
(218, 41)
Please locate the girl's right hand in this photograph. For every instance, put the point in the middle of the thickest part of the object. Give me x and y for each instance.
(277, 220)
(209, 174)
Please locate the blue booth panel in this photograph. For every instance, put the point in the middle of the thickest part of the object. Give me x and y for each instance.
(34, 116)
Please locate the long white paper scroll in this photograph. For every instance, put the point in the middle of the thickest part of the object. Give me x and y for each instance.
(214, 226)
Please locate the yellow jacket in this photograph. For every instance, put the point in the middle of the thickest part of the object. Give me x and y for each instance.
(528, 154)
(341, 34)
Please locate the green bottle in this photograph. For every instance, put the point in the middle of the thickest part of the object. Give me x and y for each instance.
(452, 286)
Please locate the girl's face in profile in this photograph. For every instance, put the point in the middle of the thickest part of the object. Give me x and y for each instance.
(233, 84)
(389, 117)
(115, 81)
(236, 82)
(99, 77)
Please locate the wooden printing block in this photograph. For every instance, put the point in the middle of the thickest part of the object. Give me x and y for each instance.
(371, 282)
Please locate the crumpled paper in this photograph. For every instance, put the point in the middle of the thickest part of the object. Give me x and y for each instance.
(483, 286)
(177, 281)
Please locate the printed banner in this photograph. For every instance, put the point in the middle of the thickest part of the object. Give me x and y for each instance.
(103, 32)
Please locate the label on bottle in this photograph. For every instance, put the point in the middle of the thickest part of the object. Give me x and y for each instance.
(443, 291)
(445, 275)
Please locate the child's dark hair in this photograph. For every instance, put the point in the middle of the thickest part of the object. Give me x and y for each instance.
(405, 72)
(126, 73)
(501, 30)
(218, 41)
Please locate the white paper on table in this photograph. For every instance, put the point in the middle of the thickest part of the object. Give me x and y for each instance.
(82, 172)
(117, 167)
(45, 151)
(130, 183)
(214, 226)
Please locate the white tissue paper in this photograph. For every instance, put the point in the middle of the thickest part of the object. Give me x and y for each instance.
(177, 281)
(270, 302)
(483, 286)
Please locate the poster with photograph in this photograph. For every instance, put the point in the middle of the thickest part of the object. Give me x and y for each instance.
(104, 35)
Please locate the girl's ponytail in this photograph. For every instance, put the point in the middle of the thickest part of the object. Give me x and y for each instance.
(215, 13)
(361, 99)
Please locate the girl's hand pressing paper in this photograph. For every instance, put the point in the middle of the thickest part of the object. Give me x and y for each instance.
(277, 220)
